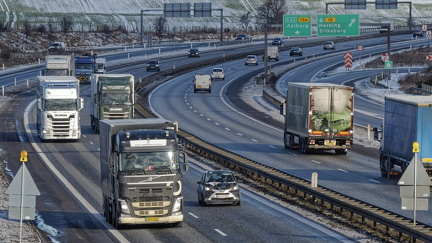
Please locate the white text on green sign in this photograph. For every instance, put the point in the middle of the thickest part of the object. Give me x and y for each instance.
(297, 25)
(338, 25)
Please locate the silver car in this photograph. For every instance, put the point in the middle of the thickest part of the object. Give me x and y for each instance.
(218, 73)
(218, 187)
(251, 59)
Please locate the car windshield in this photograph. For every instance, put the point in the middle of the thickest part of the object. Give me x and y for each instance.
(194, 50)
(153, 62)
(221, 177)
(147, 161)
(295, 48)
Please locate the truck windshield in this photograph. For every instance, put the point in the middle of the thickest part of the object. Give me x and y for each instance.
(116, 98)
(83, 66)
(150, 161)
(56, 72)
(60, 105)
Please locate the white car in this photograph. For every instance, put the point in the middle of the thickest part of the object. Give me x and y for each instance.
(251, 59)
(218, 73)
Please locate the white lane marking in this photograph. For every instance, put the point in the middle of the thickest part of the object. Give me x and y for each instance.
(220, 232)
(65, 182)
(201, 115)
(239, 134)
(375, 181)
(193, 215)
(316, 161)
(254, 140)
(343, 170)
(217, 124)
(91, 142)
(208, 119)
(271, 146)
(83, 135)
(226, 128)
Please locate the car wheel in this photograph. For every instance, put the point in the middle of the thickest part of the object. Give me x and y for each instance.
(256, 64)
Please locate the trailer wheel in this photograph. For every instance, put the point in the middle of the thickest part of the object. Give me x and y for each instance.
(341, 151)
(107, 213)
(287, 141)
(302, 146)
(383, 167)
(389, 166)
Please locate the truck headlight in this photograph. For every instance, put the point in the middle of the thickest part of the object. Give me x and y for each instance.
(124, 207)
(177, 205)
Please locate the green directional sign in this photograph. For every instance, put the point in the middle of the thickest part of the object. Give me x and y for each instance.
(297, 25)
(338, 25)
(388, 64)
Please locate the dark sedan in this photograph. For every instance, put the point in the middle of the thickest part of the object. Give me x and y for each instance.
(194, 53)
(296, 51)
(277, 41)
(218, 187)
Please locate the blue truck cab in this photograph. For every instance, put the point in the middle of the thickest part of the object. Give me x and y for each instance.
(84, 67)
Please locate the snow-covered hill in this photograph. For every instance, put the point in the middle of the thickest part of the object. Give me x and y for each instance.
(89, 14)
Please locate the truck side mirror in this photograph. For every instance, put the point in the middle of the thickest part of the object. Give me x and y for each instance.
(376, 134)
(80, 103)
(282, 108)
(183, 162)
(39, 103)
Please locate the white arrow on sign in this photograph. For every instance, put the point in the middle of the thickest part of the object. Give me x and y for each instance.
(297, 32)
(352, 22)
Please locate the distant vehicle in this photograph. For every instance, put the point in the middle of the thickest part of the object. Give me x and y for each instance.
(153, 65)
(296, 51)
(386, 24)
(194, 53)
(202, 82)
(57, 46)
(272, 53)
(217, 73)
(329, 45)
(59, 65)
(418, 33)
(242, 37)
(251, 59)
(277, 41)
(218, 187)
(101, 66)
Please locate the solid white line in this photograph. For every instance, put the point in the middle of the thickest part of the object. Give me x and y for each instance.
(220, 232)
(316, 161)
(193, 215)
(65, 182)
(375, 181)
(343, 170)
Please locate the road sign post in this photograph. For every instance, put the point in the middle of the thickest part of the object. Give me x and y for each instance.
(297, 25)
(415, 185)
(23, 192)
(338, 25)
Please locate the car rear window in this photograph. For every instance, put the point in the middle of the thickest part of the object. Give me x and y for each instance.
(217, 70)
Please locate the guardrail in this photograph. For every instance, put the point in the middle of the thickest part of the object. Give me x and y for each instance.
(355, 211)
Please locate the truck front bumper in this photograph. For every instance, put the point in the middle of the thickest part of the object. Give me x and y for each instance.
(176, 218)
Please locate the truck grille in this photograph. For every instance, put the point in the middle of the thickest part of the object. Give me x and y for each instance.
(157, 204)
(112, 116)
(60, 126)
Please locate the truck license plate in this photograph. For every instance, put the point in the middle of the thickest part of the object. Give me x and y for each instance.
(329, 142)
(199, 86)
(152, 219)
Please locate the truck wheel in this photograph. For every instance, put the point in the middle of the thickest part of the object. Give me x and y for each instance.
(210, 90)
(389, 166)
(383, 167)
(107, 213)
(302, 146)
(178, 224)
(288, 141)
(195, 90)
(341, 151)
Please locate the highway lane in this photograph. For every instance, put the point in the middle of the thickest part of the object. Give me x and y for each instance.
(211, 118)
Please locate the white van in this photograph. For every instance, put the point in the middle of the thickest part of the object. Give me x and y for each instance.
(100, 65)
(202, 82)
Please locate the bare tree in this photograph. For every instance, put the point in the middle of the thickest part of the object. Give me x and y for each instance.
(245, 19)
(272, 12)
(41, 29)
(159, 25)
(66, 24)
(27, 28)
(106, 29)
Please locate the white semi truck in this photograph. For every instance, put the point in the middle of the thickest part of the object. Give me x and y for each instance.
(141, 172)
(112, 97)
(59, 65)
(58, 106)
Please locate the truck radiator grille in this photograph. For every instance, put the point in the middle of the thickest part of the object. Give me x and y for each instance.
(60, 127)
(112, 116)
(160, 212)
(157, 204)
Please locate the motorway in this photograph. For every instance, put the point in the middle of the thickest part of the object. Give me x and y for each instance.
(213, 118)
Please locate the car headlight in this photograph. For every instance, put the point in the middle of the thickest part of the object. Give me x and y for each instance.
(235, 188)
(177, 205)
(124, 207)
(207, 188)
